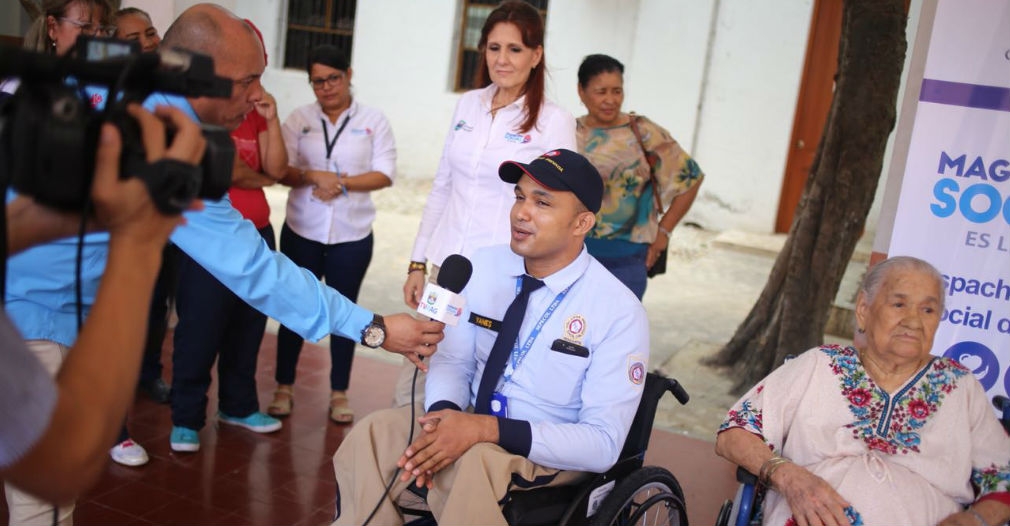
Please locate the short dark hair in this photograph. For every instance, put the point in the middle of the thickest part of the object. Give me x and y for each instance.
(132, 11)
(595, 64)
(327, 55)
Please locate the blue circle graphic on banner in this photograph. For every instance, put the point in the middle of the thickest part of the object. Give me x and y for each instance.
(979, 359)
(1006, 382)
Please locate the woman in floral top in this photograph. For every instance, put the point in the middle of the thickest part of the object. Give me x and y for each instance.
(629, 235)
(879, 433)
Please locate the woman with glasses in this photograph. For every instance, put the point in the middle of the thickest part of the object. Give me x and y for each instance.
(63, 21)
(339, 151)
(55, 32)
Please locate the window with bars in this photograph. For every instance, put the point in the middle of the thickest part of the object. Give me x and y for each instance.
(468, 58)
(315, 22)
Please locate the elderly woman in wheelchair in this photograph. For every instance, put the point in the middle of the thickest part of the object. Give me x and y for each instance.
(878, 433)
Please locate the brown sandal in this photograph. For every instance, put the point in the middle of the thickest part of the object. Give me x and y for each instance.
(340, 411)
(283, 402)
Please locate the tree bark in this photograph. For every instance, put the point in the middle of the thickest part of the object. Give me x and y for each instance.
(792, 311)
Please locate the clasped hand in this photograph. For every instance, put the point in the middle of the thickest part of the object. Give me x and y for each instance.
(445, 436)
(326, 185)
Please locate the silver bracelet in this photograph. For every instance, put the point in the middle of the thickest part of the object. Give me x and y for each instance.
(977, 516)
(663, 230)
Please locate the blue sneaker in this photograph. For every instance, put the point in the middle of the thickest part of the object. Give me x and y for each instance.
(185, 439)
(258, 422)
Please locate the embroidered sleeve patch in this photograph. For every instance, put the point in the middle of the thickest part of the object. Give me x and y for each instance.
(636, 369)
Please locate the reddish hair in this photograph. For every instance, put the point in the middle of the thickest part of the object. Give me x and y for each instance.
(531, 26)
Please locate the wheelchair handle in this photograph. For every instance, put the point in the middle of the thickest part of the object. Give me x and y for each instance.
(677, 391)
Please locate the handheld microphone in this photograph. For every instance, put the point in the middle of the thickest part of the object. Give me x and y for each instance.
(441, 301)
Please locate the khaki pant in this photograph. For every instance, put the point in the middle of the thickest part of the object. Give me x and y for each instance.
(466, 492)
(405, 378)
(25, 509)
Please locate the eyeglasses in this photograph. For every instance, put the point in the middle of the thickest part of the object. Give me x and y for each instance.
(332, 80)
(88, 28)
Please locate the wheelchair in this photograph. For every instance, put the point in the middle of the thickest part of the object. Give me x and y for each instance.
(628, 493)
(745, 508)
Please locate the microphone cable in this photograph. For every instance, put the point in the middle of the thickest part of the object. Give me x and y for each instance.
(410, 439)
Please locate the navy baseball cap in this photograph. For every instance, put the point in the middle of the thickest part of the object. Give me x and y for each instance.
(560, 170)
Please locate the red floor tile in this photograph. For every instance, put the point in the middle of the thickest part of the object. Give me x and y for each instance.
(240, 477)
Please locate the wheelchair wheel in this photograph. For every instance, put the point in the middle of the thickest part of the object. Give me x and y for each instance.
(650, 495)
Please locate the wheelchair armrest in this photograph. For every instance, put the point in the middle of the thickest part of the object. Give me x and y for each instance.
(746, 477)
(677, 391)
(1002, 404)
(421, 492)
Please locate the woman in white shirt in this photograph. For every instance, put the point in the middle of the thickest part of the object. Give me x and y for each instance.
(508, 120)
(340, 151)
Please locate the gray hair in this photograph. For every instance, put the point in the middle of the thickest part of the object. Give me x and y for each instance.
(880, 272)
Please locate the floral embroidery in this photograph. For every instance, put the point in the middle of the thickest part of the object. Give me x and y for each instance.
(747, 417)
(991, 479)
(886, 424)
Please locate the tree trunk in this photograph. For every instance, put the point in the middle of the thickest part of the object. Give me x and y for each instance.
(792, 311)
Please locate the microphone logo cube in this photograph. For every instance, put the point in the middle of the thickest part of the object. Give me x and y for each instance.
(441, 305)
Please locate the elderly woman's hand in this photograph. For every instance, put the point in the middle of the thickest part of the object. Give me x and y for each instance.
(812, 501)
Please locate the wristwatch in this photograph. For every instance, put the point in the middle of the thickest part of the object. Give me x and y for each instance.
(374, 333)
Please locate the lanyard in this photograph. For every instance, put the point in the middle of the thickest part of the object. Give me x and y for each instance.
(326, 135)
(519, 353)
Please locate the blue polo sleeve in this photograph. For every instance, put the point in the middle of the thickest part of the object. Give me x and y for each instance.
(231, 249)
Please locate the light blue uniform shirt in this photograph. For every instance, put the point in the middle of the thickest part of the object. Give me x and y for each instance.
(40, 295)
(565, 410)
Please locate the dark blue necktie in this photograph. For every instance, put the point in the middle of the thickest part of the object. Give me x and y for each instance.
(503, 344)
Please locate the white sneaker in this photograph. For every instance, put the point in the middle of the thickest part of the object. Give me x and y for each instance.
(129, 453)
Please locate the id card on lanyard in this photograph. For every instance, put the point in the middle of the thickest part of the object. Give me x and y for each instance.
(499, 402)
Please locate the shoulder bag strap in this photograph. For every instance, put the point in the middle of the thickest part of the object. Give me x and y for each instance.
(649, 159)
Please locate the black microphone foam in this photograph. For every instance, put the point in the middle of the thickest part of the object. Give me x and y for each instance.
(454, 273)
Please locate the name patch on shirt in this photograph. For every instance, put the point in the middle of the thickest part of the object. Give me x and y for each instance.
(518, 138)
(485, 322)
(566, 347)
(361, 131)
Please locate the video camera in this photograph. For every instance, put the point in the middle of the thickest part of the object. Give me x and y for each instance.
(49, 129)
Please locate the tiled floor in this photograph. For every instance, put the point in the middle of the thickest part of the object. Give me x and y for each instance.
(239, 477)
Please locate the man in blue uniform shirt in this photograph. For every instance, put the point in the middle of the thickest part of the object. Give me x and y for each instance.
(543, 388)
(40, 295)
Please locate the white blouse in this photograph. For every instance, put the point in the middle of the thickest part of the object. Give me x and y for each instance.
(468, 206)
(365, 144)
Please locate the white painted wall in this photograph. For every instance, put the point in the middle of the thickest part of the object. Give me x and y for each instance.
(732, 109)
(747, 114)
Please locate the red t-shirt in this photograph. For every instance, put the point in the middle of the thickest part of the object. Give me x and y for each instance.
(251, 203)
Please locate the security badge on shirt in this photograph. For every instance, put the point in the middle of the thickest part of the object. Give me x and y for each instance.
(570, 343)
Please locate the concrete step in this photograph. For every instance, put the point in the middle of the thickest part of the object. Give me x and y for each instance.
(841, 318)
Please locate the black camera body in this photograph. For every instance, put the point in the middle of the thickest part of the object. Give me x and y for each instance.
(49, 129)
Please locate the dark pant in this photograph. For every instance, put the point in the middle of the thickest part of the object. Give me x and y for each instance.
(214, 323)
(630, 270)
(157, 323)
(343, 265)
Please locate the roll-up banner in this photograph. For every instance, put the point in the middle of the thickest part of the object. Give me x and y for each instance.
(949, 191)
